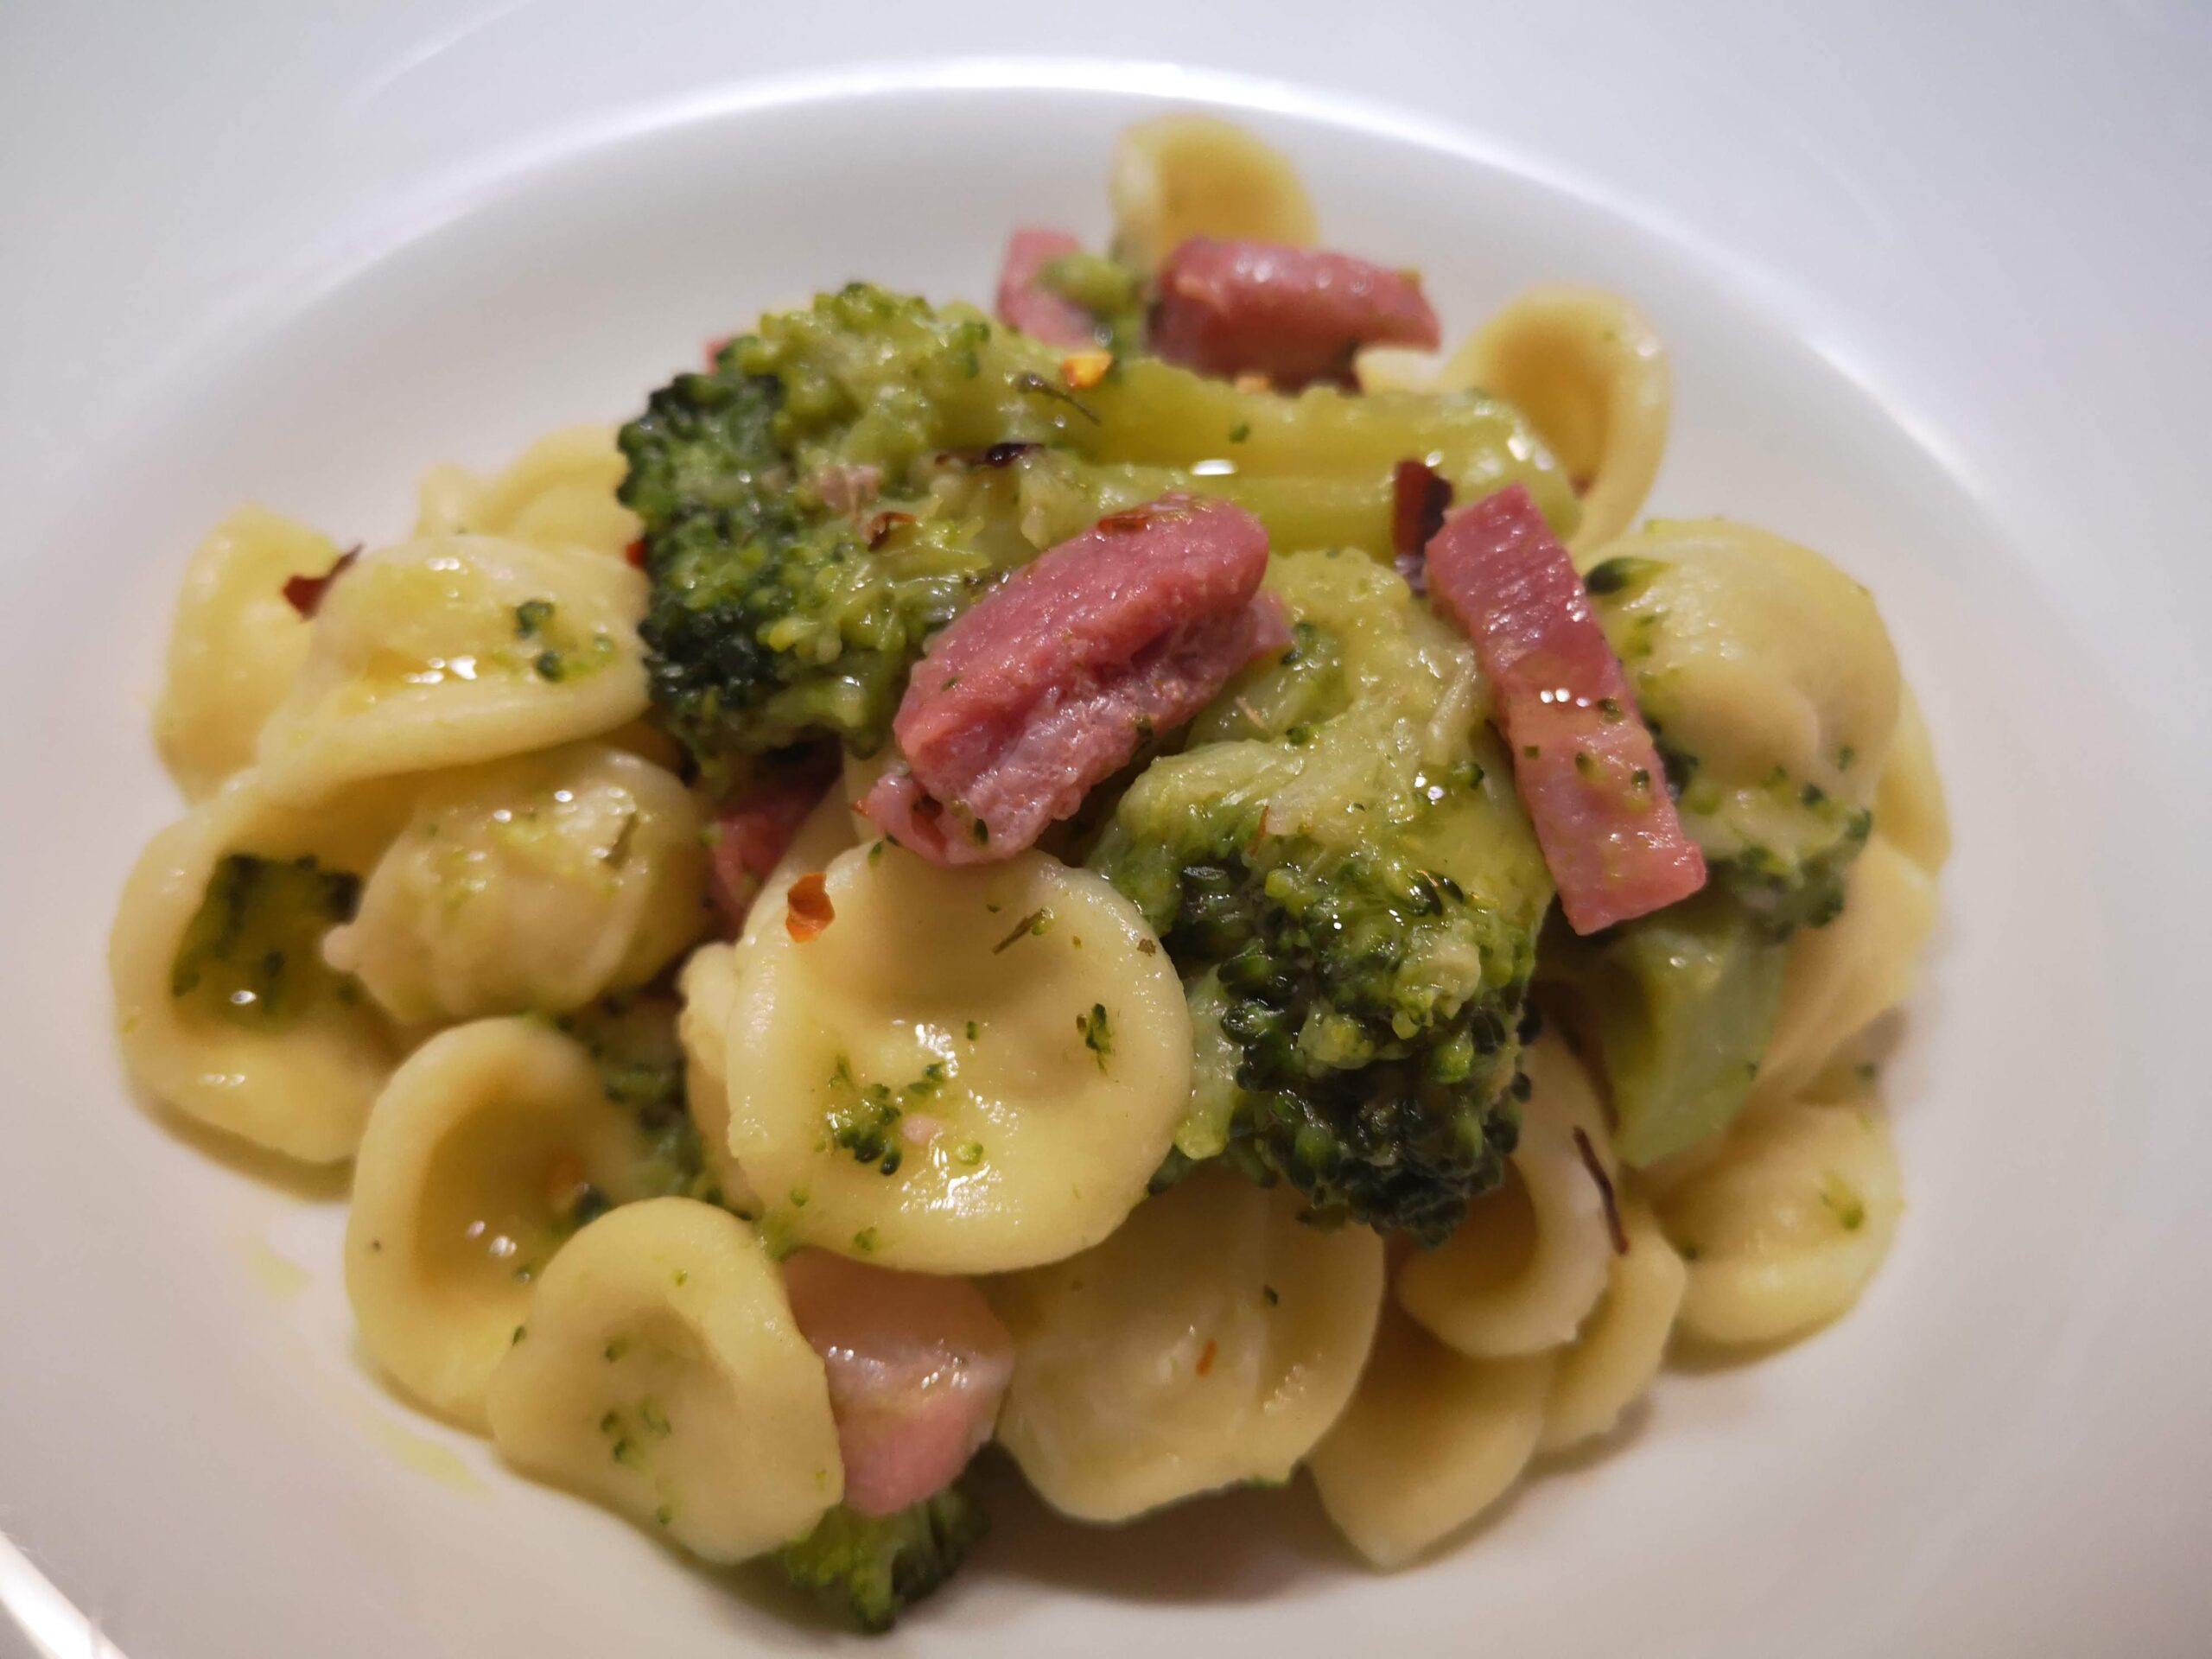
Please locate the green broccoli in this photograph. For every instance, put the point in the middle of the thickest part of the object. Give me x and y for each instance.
(1110, 291)
(1681, 1003)
(1340, 869)
(875, 1568)
(785, 608)
(252, 953)
(632, 1038)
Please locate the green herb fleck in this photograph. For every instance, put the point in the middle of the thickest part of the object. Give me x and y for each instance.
(1621, 575)
(1097, 1036)
(1848, 1208)
(532, 616)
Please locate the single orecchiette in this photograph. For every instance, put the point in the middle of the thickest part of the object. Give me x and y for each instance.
(964, 1070)
(537, 883)
(1533, 1258)
(1184, 175)
(236, 645)
(1784, 1229)
(660, 1372)
(1591, 375)
(1760, 662)
(1840, 978)
(224, 1006)
(1431, 1439)
(455, 649)
(480, 1154)
(1623, 1342)
(1211, 1339)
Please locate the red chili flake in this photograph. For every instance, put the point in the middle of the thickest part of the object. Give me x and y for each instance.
(714, 348)
(1206, 1356)
(636, 554)
(881, 526)
(1419, 497)
(1605, 1192)
(304, 594)
(808, 909)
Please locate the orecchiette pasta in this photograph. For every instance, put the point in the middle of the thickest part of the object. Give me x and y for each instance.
(1147, 1119)
(455, 649)
(1185, 175)
(476, 1158)
(1908, 802)
(235, 644)
(1211, 1339)
(965, 1070)
(559, 492)
(1591, 375)
(1760, 660)
(538, 882)
(661, 1373)
(1840, 978)
(225, 1009)
(708, 986)
(1784, 1229)
(1533, 1258)
(1431, 1439)
(1623, 1342)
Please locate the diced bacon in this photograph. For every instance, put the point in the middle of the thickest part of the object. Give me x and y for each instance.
(1049, 685)
(1420, 496)
(1293, 314)
(752, 834)
(917, 1364)
(1025, 303)
(1583, 760)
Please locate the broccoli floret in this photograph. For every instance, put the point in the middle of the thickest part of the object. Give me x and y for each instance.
(786, 608)
(875, 1568)
(1352, 898)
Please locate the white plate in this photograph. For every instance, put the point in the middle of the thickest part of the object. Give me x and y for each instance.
(1937, 292)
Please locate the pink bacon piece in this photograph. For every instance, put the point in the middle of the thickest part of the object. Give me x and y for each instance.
(1583, 760)
(1025, 303)
(1049, 685)
(917, 1364)
(1295, 315)
(751, 835)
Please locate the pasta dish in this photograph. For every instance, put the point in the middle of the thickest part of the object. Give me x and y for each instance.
(1170, 880)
